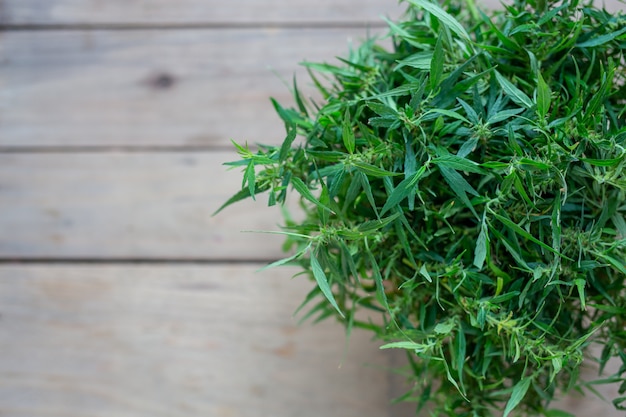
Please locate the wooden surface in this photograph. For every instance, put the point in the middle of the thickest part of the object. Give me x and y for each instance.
(144, 340)
(140, 205)
(196, 11)
(198, 88)
(119, 294)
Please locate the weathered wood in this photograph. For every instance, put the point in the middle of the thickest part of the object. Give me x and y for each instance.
(193, 11)
(154, 88)
(64, 12)
(220, 341)
(130, 205)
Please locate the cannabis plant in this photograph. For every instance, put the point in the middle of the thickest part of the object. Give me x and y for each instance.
(463, 179)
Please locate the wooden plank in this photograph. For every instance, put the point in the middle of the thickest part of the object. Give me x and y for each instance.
(220, 341)
(193, 11)
(326, 12)
(154, 88)
(129, 206)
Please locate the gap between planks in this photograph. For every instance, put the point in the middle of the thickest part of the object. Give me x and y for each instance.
(110, 26)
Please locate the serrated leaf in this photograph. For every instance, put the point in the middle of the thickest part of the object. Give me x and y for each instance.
(517, 95)
(482, 242)
(471, 113)
(504, 115)
(461, 347)
(286, 145)
(459, 186)
(518, 394)
(367, 188)
(322, 283)
(378, 279)
(286, 260)
(599, 40)
(517, 229)
(436, 64)
(424, 272)
(450, 113)
(372, 225)
(468, 147)
(373, 170)
(402, 190)
(444, 17)
(298, 97)
(241, 195)
(445, 327)
(349, 140)
(543, 96)
(304, 191)
(419, 60)
(458, 163)
(419, 347)
(603, 162)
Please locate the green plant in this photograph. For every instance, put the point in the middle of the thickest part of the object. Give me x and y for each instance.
(467, 184)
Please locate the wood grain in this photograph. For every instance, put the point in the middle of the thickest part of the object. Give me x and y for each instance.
(193, 11)
(163, 12)
(154, 88)
(220, 341)
(129, 206)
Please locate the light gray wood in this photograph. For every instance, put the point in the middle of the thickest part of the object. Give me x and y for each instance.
(193, 11)
(130, 205)
(154, 88)
(150, 341)
(44, 12)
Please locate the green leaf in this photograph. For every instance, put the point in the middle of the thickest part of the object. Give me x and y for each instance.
(457, 163)
(544, 95)
(445, 327)
(402, 190)
(304, 191)
(513, 226)
(600, 40)
(372, 225)
(480, 253)
(284, 261)
(535, 164)
(461, 347)
(603, 162)
(424, 272)
(372, 170)
(504, 115)
(459, 186)
(450, 113)
(444, 17)
(517, 95)
(322, 283)
(367, 188)
(297, 96)
(598, 98)
(378, 279)
(241, 195)
(436, 64)
(518, 394)
(249, 177)
(286, 146)
(418, 347)
(349, 140)
(580, 285)
(420, 60)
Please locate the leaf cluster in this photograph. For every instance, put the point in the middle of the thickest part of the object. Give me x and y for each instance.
(464, 180)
